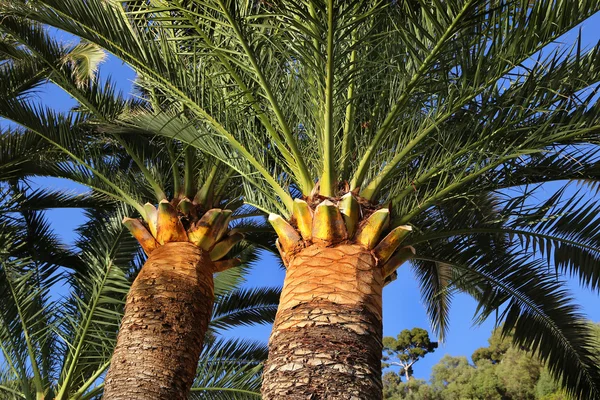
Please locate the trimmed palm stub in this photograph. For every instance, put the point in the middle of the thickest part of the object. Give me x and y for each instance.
(329, 324)
(169, 305)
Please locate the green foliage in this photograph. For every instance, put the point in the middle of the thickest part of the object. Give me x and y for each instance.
(415, 389)
(406, 349)
(99, 150)
(89, 146)
(500, 371)
(495, 351)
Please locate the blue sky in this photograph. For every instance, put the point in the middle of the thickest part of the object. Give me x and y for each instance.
(402, 305)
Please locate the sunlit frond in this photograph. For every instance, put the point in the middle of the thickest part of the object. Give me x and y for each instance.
(229, 369)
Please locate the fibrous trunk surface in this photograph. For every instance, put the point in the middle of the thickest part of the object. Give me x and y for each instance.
(326, 341)
(166, 316)
(327, 337)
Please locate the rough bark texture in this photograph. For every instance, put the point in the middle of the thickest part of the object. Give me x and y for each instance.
(326, 341)
(166, 316)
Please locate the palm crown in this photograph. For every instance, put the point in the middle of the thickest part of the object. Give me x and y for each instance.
(61, 347)
(440, 111)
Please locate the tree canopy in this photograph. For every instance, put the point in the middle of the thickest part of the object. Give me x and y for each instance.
(500, 371)
(452, 114)
(406, 349)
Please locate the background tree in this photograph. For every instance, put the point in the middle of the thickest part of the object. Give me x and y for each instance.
(500, 371)
(517, 371)
(415, 389)
(358, 122)
(406, 349)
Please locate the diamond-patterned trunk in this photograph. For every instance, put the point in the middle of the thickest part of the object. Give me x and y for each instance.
(170, 303)
(326, 341)
(166, 316)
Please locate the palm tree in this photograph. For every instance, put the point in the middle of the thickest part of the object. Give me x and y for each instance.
(187, 237)
(377, 132)
(60, 348)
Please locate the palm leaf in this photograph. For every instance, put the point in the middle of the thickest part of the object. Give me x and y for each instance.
(29, 261)
(90, 317)
(229, 369)
(245, 307)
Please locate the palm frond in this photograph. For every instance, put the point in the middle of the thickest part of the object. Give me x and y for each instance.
(245, 307)
(229, 369)
(29, 259)
(446, 63)
(430, 105)
(43, 199)
(510, 281)
(85, 164)
(22, 155)
(434, 283)
(560, 230)
(90, 316)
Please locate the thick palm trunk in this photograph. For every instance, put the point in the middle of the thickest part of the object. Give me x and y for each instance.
(166, 316)
(326, 341)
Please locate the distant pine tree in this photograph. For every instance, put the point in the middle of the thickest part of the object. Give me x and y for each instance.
(500, 371)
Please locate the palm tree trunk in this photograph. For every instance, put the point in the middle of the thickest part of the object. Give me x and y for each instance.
(326, 341)
(166, 317)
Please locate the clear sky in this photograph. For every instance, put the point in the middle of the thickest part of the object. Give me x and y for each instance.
(402, 305)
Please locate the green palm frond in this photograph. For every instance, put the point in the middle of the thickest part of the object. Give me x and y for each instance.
(90, 317)
(245, 307)
(563, 230)
(30, 256)
(43, 199)
(58, 130)
(560, 230)
(230, 280)
(62, 349)
(74, 68)
(9, 386)
(171, 125)
(22, 154)
(94, 149)
(418, 51)
(229, 369)
(256, 229)
(159, 162)
(500, 251)
(536, 304)
(22, 77)
(435, 280)
(436, 228)
(575, 163)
